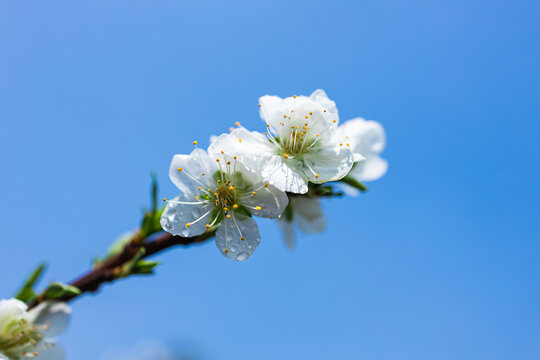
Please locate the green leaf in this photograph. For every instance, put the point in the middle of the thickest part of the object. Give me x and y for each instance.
(150, 223)
(349, 180)
(144, 267)
(57, 290)
(154, 192)
(26, 293)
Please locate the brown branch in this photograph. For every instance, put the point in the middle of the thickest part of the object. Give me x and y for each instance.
(108, 270)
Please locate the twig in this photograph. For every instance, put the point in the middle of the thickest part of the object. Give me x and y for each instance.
(107, 271)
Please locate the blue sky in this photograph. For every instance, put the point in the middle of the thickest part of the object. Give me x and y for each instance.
(439, 260)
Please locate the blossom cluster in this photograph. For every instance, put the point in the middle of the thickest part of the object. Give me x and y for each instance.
(245, 173)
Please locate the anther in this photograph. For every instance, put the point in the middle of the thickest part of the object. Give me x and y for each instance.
(294, 96)
(237, 123)
(334, 121)
(188, 224)
(164, 199)
(310, 113)
(239, 140)
(207, 226)
(217, 160)
(234, 157)
(195, 143)
(225, 209)
(228, 216)
(324, 110)
(235, 206)
(316, 176)
(227, 250)
(254, 193)
(179, 169)
(228, 163)
(266, 185)
(284, 116)
(258, 207)
(199, 188)
(307, 116)
(285, 156)
(202, 174)
(242, 238)
(197, 197)
(222, 152)
(231, 188)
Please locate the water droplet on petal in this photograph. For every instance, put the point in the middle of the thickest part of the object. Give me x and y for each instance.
(242, 256)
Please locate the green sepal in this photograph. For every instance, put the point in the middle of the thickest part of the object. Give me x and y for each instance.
(57, 290)
(349, 180)
(26, 293)
(288, 213)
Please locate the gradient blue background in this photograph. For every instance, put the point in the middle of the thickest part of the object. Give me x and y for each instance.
(439, 260)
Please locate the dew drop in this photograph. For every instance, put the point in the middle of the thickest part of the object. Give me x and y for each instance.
(242, 256)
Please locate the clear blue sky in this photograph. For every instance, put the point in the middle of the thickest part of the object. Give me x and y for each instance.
(439, 260)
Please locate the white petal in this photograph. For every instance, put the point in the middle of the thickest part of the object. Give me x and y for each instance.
(369, 169)
(271, 200)
(56, 314)
(285, 174)
(10, 308)
(55, 352)
(280, 114)
(330, 163)
(192, 167)
(308, 214)
(288, 233)
(270, 107)
(2, 357)
(229, 237)
(365, 137)
(320, 97)
(177, 215)
(241, 141)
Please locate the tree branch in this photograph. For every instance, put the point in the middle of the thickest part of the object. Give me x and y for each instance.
(108, 270)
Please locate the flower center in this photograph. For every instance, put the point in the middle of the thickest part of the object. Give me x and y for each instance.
(19, 338)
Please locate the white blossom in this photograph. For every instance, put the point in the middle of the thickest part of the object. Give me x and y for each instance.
(367, 140)
(218, 189)
(301, 143)
(26, 334)
(307, 214)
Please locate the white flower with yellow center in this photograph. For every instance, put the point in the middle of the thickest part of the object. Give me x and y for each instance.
(220, 190)
(26, 334)
(300, 145)
(367, 140)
